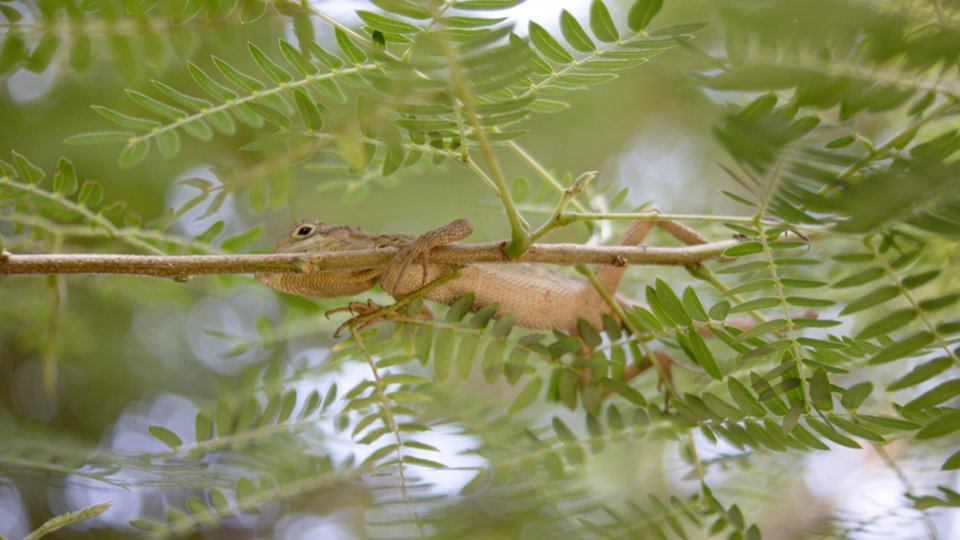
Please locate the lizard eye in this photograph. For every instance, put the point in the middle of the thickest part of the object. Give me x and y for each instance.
(304, 231)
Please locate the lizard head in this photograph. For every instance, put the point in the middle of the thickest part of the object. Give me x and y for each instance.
(312, 236)
(306, 235)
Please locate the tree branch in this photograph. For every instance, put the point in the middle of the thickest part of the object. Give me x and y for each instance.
(174, 266)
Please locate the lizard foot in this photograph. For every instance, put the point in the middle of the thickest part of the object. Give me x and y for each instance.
(355, 308)
(364, 314)
(368, 313)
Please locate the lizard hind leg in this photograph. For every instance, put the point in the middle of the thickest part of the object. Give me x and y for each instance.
(610, 276)
(682, 233)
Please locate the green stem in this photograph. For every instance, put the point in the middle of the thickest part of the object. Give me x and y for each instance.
(703, 273)
(390, 420)
(895, 141)
(541, 171)
(588, 216)
(520, 239)
(569, 195)
(939, 339)
(253, 96)
(434, 19)
(95, 218)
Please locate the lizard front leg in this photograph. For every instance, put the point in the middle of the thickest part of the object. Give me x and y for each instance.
(395, 279)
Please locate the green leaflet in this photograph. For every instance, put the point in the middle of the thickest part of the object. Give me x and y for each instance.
(547, 45)
(601, 24)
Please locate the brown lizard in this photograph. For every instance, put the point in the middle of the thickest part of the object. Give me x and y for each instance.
(535, 296)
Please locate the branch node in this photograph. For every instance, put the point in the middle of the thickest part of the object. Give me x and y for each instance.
(580, 184)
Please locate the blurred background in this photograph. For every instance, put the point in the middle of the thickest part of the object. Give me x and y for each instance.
(133, 352)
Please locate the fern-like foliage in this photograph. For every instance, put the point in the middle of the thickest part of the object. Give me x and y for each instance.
(52, 34)
(387, 98)
(71, 209)
(830, 325)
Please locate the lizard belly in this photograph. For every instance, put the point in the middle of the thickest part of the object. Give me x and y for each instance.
(535, 296)
(324, 284)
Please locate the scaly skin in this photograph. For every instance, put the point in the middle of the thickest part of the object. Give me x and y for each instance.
(535, 296)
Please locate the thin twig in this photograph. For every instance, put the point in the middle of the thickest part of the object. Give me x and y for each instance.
(175, 266)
